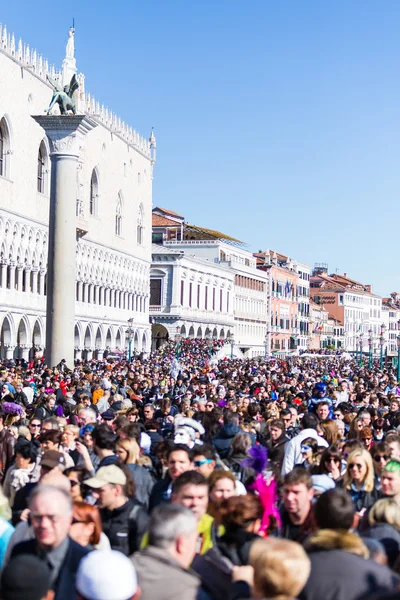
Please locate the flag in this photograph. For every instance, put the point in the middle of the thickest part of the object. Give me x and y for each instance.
(287, 288)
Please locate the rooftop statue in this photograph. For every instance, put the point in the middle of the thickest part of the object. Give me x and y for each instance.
(70, 48)
(63, 96)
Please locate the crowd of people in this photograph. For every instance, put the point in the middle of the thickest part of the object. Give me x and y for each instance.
(179, 475)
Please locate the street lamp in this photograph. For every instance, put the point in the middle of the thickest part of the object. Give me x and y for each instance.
(361, 348)
(209, 344)
(178, 341)
(381, 343)
(130, 333)
(370, 342)
(398, 358)
(232, 343)
(266, 344)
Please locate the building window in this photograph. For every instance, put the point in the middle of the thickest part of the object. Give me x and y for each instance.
(213, 301)
(41, 168)
(220, 300)
(198, 296)
(206, 298)
(139, 233)
(118, 217)
(182, 292)
(190, 294)
(4, 148)
(155, 292)
(94, 193)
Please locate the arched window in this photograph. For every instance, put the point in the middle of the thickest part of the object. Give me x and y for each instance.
(94, 193)
(118, 216)
(4, 148)
(139, 234)
(41, 168)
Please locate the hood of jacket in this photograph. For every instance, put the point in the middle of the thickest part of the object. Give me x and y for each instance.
(229, 431)
(336, 539)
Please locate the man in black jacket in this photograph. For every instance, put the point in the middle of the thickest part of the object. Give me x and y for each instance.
(340, 565)
(124, 520)
(51, 518)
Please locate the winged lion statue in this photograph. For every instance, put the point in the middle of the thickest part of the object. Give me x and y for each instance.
(63, 96)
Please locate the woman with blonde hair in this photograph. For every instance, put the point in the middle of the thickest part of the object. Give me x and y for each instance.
(128, 452)
(384, 521)
(359, 479)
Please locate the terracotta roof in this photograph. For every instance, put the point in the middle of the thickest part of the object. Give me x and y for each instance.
(159, 221)
(168, 212)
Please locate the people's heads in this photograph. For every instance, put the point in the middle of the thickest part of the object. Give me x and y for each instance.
(281, 568)
(393, 442)
(51, 515)
(103, 437)
(96, 580)
(204, 459)
(191, 490)
(86, 524)
(329, 431)
(231, 418)
(385, 510)
(360, 470)
(221, 485)
(148, 411)
(127, 451)
(331, 460)
(241, 444)
(322, 410)
(241, 513)
(366, 437)
(298, 492)
(341, 429)
(309, 421)
(179, 460)
(25, 454)
(50, 401)
(26, 577)
(276, 429)
(173, 528)
(390, 479)
(365, 417)
(109, 487)
(86, 416)
(380, 453)
(50, 423)
(69, 435)
(50, 439)
(349, 446)
(76, 477)
(35, 426)
(309, 450)
(334, 510)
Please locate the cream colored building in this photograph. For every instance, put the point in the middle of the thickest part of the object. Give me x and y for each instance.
(113, 214)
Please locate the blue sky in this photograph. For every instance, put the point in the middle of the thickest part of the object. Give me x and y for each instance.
(276, 122)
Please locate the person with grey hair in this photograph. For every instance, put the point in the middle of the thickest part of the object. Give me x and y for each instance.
(51, 517)
(162, 567)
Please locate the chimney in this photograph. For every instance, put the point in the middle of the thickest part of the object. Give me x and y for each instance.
(345, 275)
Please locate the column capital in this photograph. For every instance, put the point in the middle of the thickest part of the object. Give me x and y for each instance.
(65, 132)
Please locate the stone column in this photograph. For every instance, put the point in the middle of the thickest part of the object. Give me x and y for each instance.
(12, 276)
(24, 351)
(41, 281)
(20, 275)
(80, 291)
(66, 135)
(89, 354)
(10, 352)
(27, 276)
(4, 275)
(100, 354)
(35, 281)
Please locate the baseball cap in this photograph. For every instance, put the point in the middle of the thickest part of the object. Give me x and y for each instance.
(95, 582)
(108, 474)
(25, 576)
(52, 459)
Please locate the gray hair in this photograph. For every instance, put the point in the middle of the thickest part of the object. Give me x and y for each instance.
(89, 412)
(40, 490)
(168, 522)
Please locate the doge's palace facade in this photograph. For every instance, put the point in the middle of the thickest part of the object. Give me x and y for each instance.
(113, 215)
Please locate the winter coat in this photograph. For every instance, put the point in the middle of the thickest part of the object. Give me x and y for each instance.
(161, 576)
(234, 463)
(292, 455)
(144, 483)
(7, 443)
(340, 569)
(389, 538)
(222, 442)
(276, 450)
(160, 492)
(125, 526)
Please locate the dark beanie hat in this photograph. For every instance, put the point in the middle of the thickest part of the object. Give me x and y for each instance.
(25, 577)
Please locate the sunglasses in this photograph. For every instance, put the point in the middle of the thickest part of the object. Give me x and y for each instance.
(36, 425)
(74, 483)
(305, 448)
(355, 466)
(210, 405)
(336, 460)
(384, 456)
(200, 463)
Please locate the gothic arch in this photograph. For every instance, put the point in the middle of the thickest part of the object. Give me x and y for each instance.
(94, 193)
(99, 337)
(5, 147)
(78, 335)
(191, 332)
(199, 333)
(88, 339)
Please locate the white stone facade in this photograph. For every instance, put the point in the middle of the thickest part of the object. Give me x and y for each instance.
(113, 217)
(189, 296)
(249, 292)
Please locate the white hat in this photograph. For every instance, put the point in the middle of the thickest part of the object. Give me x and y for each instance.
(106, 575)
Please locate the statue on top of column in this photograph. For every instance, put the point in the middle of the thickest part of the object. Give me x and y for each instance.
(63, 97)
(70, 48)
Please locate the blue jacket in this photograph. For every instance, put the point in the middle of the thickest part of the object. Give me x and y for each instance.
(222, 442)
